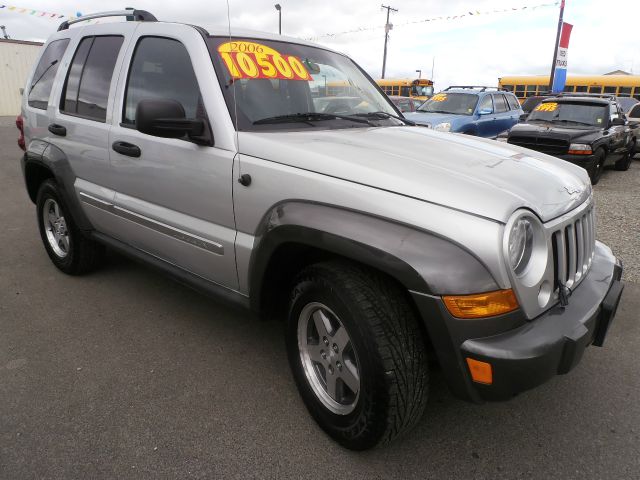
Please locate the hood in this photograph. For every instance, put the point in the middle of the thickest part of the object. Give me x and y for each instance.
(482, 177)
(553, 130)
(433, 119)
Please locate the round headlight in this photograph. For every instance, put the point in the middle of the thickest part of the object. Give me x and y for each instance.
(520, 245)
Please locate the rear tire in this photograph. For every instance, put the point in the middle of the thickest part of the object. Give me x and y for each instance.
(67, 248)
(595, 167)
(624, 163)
(357, 354)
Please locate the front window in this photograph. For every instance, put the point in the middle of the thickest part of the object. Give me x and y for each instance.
(453, 103)
(570, 113)
(422, 91)
(280, 85)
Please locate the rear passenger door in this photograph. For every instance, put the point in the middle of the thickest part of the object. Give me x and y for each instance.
(80, 125)
(173, 197)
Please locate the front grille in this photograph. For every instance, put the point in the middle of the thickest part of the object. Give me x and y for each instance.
(550, 146)
(573, 249)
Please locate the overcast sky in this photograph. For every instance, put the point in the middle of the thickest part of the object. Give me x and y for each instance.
(473, 50)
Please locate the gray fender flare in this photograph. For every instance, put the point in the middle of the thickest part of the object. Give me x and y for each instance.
(421, 261)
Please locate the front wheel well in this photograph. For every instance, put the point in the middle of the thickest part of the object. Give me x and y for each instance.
(35, 174)
(289, 259)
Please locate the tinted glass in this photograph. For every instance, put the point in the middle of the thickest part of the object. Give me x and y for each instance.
(161, 69)
(596, 89)
(625, 91)
(568, 88)
(610, 89)
(508, 87)
(455, 103)
(635, 113)
(581, 89)
(72, 84)
(531, 103)
(519, 90)
(96, 77)
(501, 103)
(45, 74)
(513, 102)
(406, 91)
(571, 114)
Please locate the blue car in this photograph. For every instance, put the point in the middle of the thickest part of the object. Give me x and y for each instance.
(482, 111)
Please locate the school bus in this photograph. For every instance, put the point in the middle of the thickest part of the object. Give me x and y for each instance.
(421, 88)
(525, 86)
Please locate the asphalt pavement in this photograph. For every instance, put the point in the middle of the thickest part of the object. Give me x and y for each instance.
(125, 374)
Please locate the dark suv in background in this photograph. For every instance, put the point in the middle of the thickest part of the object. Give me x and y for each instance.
(587, 130)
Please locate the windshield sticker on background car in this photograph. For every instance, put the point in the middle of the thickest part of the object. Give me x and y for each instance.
(547, 107)
(248, 60)
(440, 97)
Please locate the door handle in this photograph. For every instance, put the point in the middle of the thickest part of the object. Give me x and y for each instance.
(127, 149)
(58, 130)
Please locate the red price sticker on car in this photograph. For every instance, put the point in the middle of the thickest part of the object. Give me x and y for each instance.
(254, 60)
(547, 107)
(440, 97)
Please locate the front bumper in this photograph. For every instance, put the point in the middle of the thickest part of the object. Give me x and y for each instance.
(532, 352)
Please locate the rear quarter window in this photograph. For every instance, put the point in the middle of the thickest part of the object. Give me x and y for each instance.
(45, 74)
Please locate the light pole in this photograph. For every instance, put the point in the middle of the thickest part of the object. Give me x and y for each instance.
(279, 9)
(387, 28)
(419, 72)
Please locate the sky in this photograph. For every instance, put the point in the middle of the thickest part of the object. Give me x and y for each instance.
(473, 50)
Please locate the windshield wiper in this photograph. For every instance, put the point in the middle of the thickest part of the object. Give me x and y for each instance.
(573, 121)
(431, 111)
(310, 117)
(43, 74)
(385, 116)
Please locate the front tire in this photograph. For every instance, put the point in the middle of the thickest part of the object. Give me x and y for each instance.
(624, 163)
(596, 166)
(67, 248)
(357, 354)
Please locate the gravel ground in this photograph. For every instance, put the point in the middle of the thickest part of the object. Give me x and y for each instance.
(617, 197)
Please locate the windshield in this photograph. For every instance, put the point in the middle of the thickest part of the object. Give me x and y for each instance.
(422, 91)
(279, 85)
(567, 112)
(454, 103)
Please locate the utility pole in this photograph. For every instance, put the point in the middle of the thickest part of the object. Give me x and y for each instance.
(4, 32)
(279, 9)
(555, 46)
(387, 28)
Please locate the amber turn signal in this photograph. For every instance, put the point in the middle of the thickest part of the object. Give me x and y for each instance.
(481, 372)
(580, 152)
(481, 305)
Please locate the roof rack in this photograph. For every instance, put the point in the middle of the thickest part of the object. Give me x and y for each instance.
(131, 13)
(475, 87)
(608, 96)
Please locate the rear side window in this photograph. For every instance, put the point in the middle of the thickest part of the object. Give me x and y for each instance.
(635, 112)
(501, 103)
(161, 69)
(513, 102)
(86, 90)
(45, 74)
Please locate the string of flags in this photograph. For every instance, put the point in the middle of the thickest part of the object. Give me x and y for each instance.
(473, 13)
(38, 13)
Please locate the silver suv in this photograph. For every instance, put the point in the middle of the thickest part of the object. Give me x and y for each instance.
(232, 162)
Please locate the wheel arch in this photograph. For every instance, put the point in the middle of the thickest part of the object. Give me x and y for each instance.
(294, 234)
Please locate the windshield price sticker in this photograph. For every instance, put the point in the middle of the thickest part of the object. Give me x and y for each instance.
(547, 107)
(247, 60)
(440, 97)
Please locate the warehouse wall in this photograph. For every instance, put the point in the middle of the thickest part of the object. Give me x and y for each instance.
(16, 60)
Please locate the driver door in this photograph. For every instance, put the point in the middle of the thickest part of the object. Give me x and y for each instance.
(173, 197)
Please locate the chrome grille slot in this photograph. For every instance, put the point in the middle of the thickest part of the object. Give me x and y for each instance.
(573, 248)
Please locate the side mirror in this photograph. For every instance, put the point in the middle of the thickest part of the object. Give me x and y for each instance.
(485, 111)
(523, 117)
(618, 122)
(167, 119)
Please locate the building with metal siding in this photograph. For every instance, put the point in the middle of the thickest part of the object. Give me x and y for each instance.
(17, 58)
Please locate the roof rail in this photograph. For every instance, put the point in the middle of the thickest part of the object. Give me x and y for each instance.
(475, 87)
(131, 13)
(609, 96)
